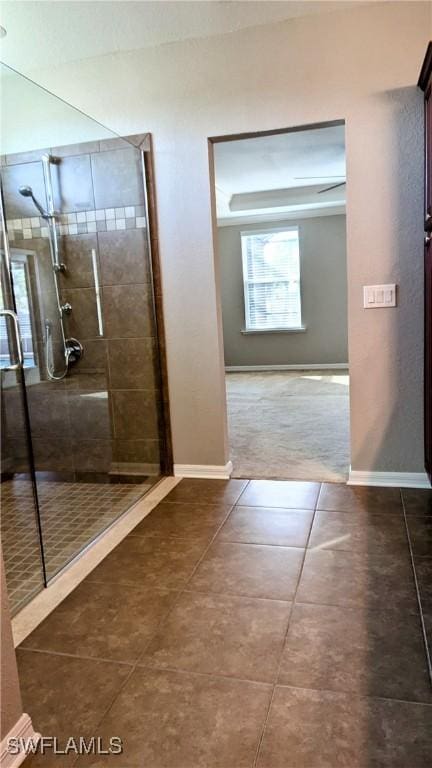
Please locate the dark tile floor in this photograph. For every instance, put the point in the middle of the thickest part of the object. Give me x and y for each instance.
(241, 624)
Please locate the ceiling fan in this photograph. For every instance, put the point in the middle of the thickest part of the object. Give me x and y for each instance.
(327, 189)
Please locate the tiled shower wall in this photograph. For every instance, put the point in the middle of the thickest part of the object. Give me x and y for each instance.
(103, 418)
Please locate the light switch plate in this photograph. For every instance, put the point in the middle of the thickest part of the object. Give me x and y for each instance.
(378, 296)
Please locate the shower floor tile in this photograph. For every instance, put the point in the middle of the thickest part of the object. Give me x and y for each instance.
(72, 515)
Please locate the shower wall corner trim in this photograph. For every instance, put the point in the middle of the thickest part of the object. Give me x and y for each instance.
(21, 733)
(204, 471)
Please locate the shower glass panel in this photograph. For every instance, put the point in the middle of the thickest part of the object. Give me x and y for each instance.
(20, 524)
(75, 200)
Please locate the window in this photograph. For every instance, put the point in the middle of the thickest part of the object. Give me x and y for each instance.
(271, 276)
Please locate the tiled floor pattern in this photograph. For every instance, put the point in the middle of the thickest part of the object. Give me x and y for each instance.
(72, 514)
(262, 623)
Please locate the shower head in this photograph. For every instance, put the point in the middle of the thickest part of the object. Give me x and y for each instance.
(28, 192)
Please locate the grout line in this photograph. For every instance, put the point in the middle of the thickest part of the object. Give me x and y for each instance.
(159, 625)
(358, 695)
(284, 640)
(84, 657)
(418, 592)
(240, 596)
(213, 675)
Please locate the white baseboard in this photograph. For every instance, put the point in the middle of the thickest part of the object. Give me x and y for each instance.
(208, 471)
(296, 367)
(390, 479)
(24, 732)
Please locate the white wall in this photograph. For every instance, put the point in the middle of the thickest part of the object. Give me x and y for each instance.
(360, 65)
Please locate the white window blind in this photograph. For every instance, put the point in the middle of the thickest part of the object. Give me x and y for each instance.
(271, 276)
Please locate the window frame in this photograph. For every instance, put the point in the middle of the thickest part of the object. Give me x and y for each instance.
(268, 329)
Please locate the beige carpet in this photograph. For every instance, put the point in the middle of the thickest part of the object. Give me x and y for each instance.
(290, 424)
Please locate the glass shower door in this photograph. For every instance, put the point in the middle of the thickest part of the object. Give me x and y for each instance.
(81, 263)
(20, 523)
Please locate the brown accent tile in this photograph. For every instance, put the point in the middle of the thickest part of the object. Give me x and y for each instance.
(124, 257)
(82, 323)
(366, 533)
(280, 493)
(91, 372)
(84, 148)
(135, 413)
(48, 412)
(128, 311)
(375, 653)
(72, 184)
(117, 178)
(157, 561)
(261, 525)
(104, 620)
(92, 455)
(52, 454)
(312, 729)
(66, 696)
(116, 142)
(208, 491)
(179, 720)
(137, 451)
(420, 533)
(417, 501)
(221, 635)
(251, 570)
(76, 255)
(132, 363)
(187, 520)
(335, 497)
(89, 414)
(15, 176)
(16, 158)
(351, 579)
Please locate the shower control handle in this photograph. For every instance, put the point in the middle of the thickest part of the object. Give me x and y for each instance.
(15, 322)
(66, 308)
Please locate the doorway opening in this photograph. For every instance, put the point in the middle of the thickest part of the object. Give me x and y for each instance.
(281, 244)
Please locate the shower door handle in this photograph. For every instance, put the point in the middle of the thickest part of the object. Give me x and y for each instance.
(15, 322)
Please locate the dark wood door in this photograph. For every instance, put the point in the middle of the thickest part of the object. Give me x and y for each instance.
(425, 83)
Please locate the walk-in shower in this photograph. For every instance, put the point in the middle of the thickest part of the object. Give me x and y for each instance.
(83, 410)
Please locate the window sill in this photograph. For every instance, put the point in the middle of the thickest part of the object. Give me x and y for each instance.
(253, 331)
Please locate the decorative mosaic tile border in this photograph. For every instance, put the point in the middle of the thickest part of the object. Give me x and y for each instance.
(79, 223)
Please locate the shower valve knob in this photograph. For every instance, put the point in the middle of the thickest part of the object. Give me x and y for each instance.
(66, 308)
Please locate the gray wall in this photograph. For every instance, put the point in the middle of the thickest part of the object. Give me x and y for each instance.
(324, 297)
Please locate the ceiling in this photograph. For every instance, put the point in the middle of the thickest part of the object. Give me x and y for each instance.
(269, 177)
(43, 34)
